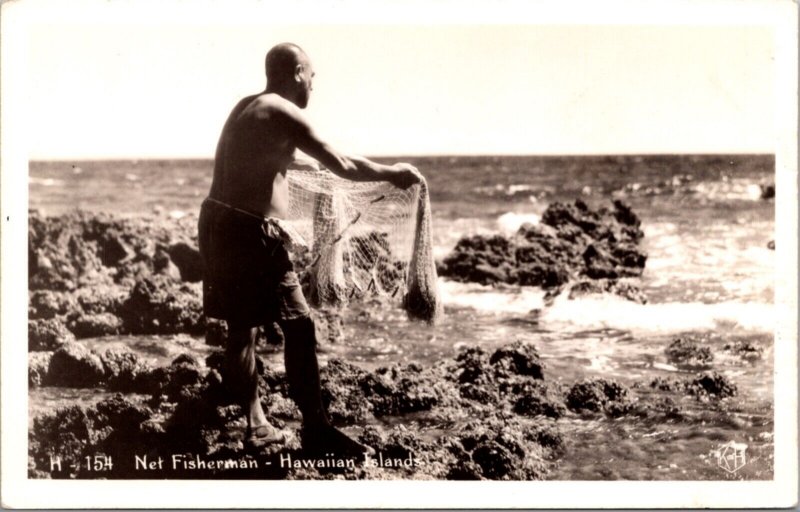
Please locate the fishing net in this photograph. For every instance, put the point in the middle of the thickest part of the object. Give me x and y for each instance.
(365, 239)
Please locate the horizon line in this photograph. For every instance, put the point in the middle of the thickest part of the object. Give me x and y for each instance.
(421, 155)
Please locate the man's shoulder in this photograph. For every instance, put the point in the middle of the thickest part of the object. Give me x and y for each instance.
(274, 102)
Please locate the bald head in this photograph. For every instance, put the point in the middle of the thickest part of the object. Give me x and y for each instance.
(289, 73)
(282, 61)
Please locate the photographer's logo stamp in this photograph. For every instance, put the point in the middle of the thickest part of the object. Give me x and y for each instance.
(731, 456)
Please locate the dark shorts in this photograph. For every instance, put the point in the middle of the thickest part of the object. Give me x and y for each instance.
(248, 277)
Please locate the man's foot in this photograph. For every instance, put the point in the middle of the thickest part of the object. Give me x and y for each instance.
(262, 436)
(330, 441)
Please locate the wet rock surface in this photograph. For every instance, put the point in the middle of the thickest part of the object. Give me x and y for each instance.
(190, 411)
(48, 334)
(687, 352)
(572, 242)
(482, 414)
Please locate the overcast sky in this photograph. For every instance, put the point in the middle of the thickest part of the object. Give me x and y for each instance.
(119, 90)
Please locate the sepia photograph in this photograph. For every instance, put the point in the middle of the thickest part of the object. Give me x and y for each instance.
(400, 246)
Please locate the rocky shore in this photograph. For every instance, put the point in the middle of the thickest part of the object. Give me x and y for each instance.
(478, 415)
(574, 246)
(481, 414)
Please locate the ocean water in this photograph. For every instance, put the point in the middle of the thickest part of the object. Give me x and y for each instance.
(709, 273)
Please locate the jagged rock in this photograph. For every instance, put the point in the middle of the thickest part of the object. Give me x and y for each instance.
(538, 399)
(38, 366)
(768, 191)
(74, 365)
(100, 324)
(112, 428)
(503, 449)
(125, 371)
(192, 413)
(686, 352)
(159, 306)
(86, 249)
(66, 435)
(46, 304)
(100, 299)
(480, 259)
(712, 384)
(342, 393)
(47, 334)
(745, 350)
(571, 241)
(518, 358)
(598, 395)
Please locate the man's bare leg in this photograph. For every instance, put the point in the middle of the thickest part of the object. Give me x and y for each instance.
(302, 372)
(242, 374)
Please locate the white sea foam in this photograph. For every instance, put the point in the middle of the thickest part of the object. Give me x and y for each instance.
(510, 222)
(731, 189)
(490, 300)
(45, 182)
(610, 311)
(618, 313)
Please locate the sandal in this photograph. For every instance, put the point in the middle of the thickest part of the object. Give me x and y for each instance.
(262, 436)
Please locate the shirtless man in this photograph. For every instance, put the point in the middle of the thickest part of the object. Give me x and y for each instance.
(248, 277)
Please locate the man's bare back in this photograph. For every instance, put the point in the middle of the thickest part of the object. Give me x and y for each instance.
(253, 153)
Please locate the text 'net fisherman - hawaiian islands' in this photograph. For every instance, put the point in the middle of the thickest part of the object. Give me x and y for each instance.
(367, 239)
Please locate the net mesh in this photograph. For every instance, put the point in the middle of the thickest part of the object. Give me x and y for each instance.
(365, 239)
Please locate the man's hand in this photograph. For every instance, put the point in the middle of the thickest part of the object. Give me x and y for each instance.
(404, 175)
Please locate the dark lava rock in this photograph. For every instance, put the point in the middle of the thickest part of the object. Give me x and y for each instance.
(46, 304)
(472, 363)
(183, 377)
(100, 299)
(38, 366)
(400, 389)
(597, 395)
(158, 306)
(745, 350)
(686, 352)
(67, 434)
(353, 395)
(74, 365)
(111, 428)
(125, 371)
(768, 191)
(480, 259)
(494, 460)
(100, 324)
(342, 393)
(572, 240)
(538, 399)
(518, 358)
(503, 449)
(47, 334)
(712, 384)
(187, 258)
(58, 255)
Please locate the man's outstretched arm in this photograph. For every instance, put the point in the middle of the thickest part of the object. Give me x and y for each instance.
(353, 168)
